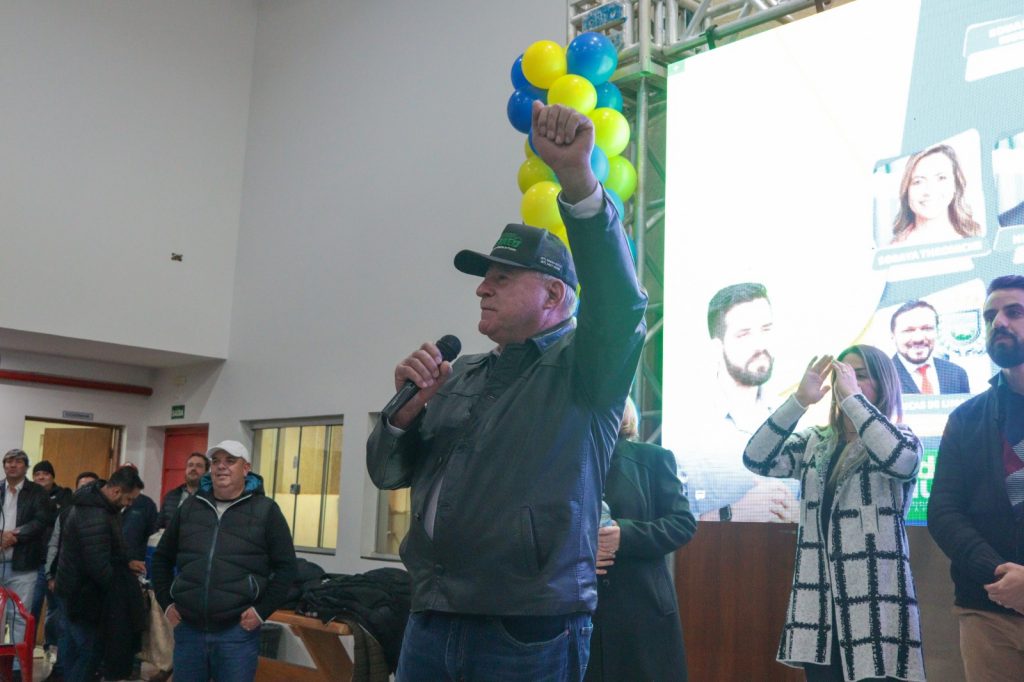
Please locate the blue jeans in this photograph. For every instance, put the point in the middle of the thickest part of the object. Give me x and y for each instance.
(227, 656)
(56, 627)
(443, 646)
(79, 648)
(40, 592)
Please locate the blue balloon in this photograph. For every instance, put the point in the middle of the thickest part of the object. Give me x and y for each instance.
(518, 79)
(519, 82)
(592, 56)
(529, 138)
(609, 96)
(599, 164)
(520, 110)
(619, 206)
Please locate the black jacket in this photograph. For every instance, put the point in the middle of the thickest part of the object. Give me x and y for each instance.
(91, 553)
(377, 600)
(637, 634)
(522, 441)
(139, 522)
(243, 559)
(59, 499)
(172, 500)
(35, 518)
(969, 512)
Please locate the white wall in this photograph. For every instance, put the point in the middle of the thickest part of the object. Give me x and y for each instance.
(123, 140)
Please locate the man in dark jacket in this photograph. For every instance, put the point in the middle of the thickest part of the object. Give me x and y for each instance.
(139, 521)
(26, 517)
(44, 476)
(94, 583)
(508, 460)
(976, 508)
(195, 466)
(233, 551)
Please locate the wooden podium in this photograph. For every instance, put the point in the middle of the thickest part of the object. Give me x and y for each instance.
(733, 582)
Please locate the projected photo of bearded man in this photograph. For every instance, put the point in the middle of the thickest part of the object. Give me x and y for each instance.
(741, 330)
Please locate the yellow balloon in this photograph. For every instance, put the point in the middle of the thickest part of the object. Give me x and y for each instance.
(544, 63)
(532, 171)
(559, 231)
(540, 206)
(575, 92)
(621, 177)
(611, 130)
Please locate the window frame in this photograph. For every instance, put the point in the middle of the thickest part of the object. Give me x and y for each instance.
(253, 427)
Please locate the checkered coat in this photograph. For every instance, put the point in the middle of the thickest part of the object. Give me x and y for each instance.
(862, 570)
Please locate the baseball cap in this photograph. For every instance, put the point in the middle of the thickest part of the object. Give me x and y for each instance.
(14, 453)
(232, 447)
(523, 246)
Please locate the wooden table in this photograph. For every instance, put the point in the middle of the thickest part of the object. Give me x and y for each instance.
(321, 640)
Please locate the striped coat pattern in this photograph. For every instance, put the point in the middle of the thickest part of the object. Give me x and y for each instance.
(861, 571)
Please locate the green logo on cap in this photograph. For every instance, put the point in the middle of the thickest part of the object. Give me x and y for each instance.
(508, 241)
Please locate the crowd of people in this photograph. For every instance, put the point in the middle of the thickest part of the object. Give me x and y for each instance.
(513, 454)
(83, 554)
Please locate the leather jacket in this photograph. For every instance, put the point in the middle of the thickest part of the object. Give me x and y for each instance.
(519, 443)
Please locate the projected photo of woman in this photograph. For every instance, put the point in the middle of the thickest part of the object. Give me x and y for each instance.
(852, 613)
(932, 207)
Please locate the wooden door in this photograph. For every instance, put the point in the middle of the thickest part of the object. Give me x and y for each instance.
(178, 445)
(74, 450)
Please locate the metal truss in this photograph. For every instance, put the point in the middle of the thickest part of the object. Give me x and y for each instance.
(650, 35)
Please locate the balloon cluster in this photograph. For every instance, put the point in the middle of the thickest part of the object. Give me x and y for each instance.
(577, 77)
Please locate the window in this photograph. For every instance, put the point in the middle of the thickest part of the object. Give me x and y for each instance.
(300, 462)
(393, 515)
(394, 511)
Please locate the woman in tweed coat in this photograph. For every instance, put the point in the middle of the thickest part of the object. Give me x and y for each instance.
(853, 611)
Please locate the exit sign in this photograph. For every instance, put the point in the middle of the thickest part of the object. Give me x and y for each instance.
(177, 411)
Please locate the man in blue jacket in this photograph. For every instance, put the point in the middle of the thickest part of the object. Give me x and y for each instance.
(508, 461)
(976, 508)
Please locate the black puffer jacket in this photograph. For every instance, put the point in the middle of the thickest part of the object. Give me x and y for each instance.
(172, 500)
(225, 565)
(91, 549)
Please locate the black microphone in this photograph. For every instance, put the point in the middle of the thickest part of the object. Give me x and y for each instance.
(450, 346)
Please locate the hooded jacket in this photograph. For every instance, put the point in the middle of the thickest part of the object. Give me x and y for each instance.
(91, 548)
(228, 563)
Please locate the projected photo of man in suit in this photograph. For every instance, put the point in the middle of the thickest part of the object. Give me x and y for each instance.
(914, 328)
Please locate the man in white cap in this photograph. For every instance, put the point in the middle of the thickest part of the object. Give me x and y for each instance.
(229, 529)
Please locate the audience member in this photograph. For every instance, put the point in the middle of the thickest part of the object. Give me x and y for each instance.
(100, 593)
(26, 519)
(195, 466)
(232, 551)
